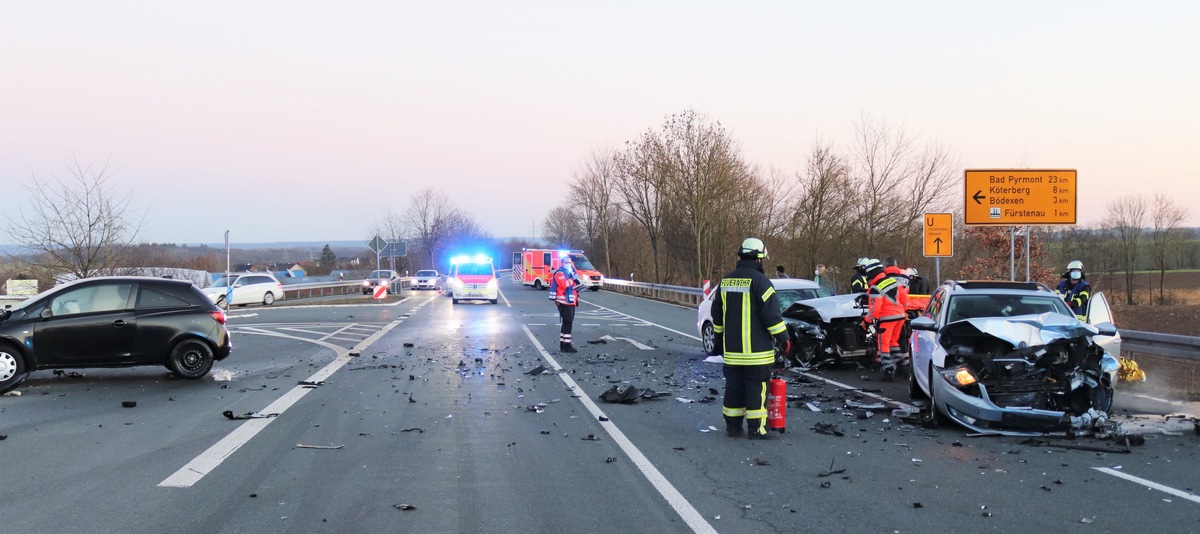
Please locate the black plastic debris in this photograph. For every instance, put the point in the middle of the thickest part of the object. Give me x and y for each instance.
(825, 484)
(630, 395)
(602, 418)
(545, 432)
(128, 404)
(311, 383)
(71, 374)
(713, 391)
(598, 342)
(590, 437)
(408, 345)
(355, 354)
(414, 429)
(253, 495)
(478, 361)
(3, 437)
(918, 505)
(760, 461)
(827, 429)
(410, 398)
(541, 369)
(248, 415)
(404, 507)
(831, 472)
(609, 460)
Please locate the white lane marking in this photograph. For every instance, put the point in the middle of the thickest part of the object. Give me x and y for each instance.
(314, 306)
(1150, 484)
(677, 501)
(506, 302)
(338, 331)
(635, 343)
(202, 465)
(227, 316)
(815, 377)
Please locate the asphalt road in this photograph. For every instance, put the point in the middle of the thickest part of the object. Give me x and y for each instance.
(455, 429)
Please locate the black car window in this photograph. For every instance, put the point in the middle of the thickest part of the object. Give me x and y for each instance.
(92, 298)
(150, 298)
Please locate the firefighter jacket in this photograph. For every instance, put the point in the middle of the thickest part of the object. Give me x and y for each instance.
(1076, 293)
(884, 298)
(746, 314)
(563, 289)
(858, 284)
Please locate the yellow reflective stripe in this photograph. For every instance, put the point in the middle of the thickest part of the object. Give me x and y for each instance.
(756, 358)
(719, 328)
(767, 294)
(777, 328)
(745, 322)
(733, 412)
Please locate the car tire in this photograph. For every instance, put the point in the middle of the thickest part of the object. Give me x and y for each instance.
(938, 417)
(708, 339)
(12, 368)
(914, 389)
(454, 300)
(537, 284)
(268, 299)
(191, 359)
(594, 288)
(222, 303)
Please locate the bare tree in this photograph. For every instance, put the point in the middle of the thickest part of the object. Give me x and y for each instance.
(430, 217)
(1167, 217)
(825, 199)
(562, 228)
(879, 159)
(641, 181)
(79, 225)
(597, 184)
(1125, 219)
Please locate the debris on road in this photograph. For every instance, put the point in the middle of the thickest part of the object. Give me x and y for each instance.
(408, 345)
(598, 342)
(224, 375)
(827, 429)
(13, 393)
(248, 415)
(590, 437)
(630, 395)
(862, 406)
(128, 404)
(314, 384)
(323, 447)
(414, 429)
(405, 507)
(539, 370)
(71, 374)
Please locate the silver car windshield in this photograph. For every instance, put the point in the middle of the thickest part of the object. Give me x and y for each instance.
(975, 306)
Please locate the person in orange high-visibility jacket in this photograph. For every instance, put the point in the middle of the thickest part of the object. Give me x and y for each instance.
(749, 326)
(898, 350)
(565, 295)
(887, 311)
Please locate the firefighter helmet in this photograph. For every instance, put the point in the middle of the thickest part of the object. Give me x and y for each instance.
(1075, 265)
(753, 247)
(862, 262)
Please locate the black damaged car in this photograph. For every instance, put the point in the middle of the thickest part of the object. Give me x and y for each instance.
(113, 322)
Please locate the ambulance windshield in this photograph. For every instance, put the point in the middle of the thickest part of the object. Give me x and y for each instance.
(582, 263)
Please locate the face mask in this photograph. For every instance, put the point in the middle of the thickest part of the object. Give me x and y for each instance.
(817, 273)
(1076, 275)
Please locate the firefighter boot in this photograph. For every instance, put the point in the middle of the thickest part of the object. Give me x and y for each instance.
(888, 366)
(758, 429)
(567, 347)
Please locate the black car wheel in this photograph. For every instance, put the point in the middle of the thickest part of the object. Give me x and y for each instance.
(12, 368)
(268, 299)
(537, 284)
(708, 339)
(191, 359)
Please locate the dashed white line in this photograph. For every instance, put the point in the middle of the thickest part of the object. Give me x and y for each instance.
(1150, 484)
(686, 511)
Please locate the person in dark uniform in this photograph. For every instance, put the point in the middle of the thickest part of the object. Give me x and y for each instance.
(749, 326)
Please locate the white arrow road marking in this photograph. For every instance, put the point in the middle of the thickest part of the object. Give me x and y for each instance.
(635, 343)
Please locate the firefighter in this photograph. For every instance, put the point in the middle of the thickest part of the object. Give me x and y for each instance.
(859, 282)
(1075, 289)
(887, 312)
(750, 328)
(916, 284)
(565, 296)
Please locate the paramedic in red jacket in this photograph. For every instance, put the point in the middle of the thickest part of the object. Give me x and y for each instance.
(566, 296)
(886, 310)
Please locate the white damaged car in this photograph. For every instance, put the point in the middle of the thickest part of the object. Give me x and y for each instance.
(1011, 358)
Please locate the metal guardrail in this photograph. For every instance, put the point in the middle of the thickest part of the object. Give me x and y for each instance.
(1156, 344)
(688, 296)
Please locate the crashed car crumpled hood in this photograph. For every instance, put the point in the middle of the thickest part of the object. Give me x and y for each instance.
(835, 307)
(1023, 331)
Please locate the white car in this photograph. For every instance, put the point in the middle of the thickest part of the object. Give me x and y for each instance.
(248, 288)
(789, 290)
(425, 279)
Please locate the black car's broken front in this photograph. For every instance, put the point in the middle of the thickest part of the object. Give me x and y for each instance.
(829, 330)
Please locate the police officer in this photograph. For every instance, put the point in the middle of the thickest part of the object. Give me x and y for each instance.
(565, 296)
(749, 326)
(1075, 289)
(859, 282)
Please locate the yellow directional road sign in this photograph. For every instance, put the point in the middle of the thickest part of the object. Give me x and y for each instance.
(939, 235)
(1020, 197)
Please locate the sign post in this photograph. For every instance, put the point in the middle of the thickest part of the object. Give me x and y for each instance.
(938, 240)
(377, 245)
(1019, 197)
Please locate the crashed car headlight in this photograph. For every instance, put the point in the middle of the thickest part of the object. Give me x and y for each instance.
(959, 376)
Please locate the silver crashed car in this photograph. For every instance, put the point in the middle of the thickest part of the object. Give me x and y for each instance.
(1011, 358)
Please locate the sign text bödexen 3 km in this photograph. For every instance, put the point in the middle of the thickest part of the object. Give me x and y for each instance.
(1020, 197)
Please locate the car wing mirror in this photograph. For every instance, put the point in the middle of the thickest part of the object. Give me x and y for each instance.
(923, 323)
(1107, 329)
(46, 313)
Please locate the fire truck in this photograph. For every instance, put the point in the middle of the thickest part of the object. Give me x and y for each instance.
(536, 267)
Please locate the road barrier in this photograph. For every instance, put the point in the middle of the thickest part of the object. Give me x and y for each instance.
(686, 296)
(1170, 361)
(325, 289)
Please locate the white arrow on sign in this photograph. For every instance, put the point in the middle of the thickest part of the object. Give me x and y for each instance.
(635, 343)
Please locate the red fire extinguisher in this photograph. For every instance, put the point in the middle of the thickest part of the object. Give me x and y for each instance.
(777, 404)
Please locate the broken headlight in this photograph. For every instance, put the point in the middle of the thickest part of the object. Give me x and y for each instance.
(960, 376)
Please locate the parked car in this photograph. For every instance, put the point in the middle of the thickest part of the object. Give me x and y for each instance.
(386, 277)
(472, 278)
(248, 288)
(789, 290)
(113, 322)
(1011, 358)
(425, 279)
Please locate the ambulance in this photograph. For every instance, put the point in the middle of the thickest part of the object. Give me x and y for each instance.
(537, 267)
(472, 278)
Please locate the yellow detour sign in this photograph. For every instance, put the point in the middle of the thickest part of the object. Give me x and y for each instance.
(1020, 197)
(939, 235)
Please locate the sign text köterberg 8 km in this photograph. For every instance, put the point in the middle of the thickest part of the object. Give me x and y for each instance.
(1020, 197)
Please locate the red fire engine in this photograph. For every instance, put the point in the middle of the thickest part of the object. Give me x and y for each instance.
(536, 266)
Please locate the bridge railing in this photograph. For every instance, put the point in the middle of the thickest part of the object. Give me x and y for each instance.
(682, 295)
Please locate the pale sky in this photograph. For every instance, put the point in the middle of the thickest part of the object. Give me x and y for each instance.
(307, 121)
